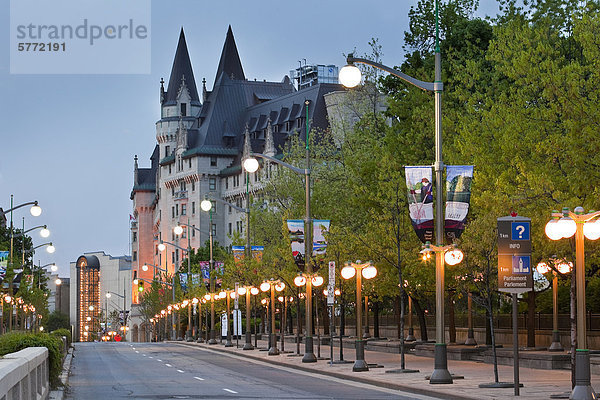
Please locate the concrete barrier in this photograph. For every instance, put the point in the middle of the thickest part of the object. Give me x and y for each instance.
(24, 375)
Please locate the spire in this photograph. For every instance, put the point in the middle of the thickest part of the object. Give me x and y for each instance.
(269, 143)
(204, 92)
(162, 90)
(135, 170)
(182, 66)
(247, 148)
(230, 62)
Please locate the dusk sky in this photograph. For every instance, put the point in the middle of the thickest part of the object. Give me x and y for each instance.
(69, 141)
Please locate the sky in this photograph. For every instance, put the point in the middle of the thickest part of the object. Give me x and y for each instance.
(68, 140)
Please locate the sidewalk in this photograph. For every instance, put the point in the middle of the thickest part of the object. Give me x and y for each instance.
(538, 384)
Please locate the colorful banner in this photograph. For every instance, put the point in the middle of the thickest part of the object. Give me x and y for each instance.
(238, 254)
(205, 272)
(257, 252)
(296, 230)
(420, 201)
(3, 262)
(320, 229)
(458, 195)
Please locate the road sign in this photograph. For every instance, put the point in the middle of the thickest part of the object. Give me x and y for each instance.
(117, 338)
(514, 255)
(331, 285)
(236, 301)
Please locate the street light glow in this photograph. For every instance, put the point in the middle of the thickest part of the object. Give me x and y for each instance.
(300, 280)
(108, 295)
(567, 227)
(242, 291)
(58, 281)
(250, 164)
(317, 281)
(453, 257)
(254, 291)
(369, 272)
(50, 249)
(591, 230)
(350, 76)
(265, 286)
(206, 205)
(178, 230)
(161, 247)
(44, 233)
(348, 272)
(36, 210)
(144, 268)
(279, 286)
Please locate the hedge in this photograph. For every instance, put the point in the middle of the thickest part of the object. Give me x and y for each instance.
(15, 341)
(63, 332)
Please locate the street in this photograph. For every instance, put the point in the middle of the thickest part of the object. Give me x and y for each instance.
(172, 371)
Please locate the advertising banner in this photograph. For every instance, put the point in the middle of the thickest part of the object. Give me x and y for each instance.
(458, 195)
(257, 252)
(420, 201)
(320, 229)
(3, 262)
(238, 254)
(296, 230)
(205, 268)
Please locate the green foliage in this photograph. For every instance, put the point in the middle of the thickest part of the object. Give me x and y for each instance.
(15, 341)
(57, 320)
(63, 332)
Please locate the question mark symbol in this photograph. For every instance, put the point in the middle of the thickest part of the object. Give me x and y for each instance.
(520, 229)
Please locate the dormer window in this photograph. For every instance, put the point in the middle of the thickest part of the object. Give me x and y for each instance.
(183, 109)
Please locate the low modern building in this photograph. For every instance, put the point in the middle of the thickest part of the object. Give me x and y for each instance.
(94, 275)
(60, 293)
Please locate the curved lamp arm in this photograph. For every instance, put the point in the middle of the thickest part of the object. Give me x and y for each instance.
(297, 170)
(427, 86)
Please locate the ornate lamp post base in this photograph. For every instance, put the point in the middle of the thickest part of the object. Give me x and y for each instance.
(440, 374)
(411, 335)
(555, 346)
(212, 339)
(470, 338)
(583, 389)
(248, 345)
(309, 354)
(360, 364)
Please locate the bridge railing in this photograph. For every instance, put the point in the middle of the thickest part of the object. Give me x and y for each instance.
(24, 375)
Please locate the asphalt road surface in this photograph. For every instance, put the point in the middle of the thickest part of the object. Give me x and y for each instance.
(111, 371)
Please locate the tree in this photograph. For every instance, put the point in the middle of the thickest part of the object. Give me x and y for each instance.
(57, 320)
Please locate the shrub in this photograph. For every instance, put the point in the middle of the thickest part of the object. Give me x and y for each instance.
(63, 332)
(15, 341)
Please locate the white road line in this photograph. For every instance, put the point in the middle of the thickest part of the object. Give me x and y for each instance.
(137, 351)
(150, 357)
(180, 371)
(144, 355)
(197, 377)
(158, 360)
(230, 391)
(168, 365)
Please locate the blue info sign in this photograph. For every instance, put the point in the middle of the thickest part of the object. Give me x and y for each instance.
(521, 264)
(519, 230)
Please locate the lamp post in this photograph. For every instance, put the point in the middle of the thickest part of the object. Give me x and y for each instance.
(274, 285)
(247, 290)
(206, 205)
(178, 230)
(350, 76)
(228, 294)
(565, 225)
(564, 268)
(368, 271)
(250, 164)
(161, 247)
(310, 280)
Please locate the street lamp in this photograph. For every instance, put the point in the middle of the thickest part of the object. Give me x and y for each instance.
(367, 271)
(274, 285)
(206, 205)
(564, 225)
(250, 163)
(162, 247)
(564, 268)
(350, 77)
(248, 290)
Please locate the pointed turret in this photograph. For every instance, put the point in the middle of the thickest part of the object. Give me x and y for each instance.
(135, 170)
(182, 69)
(269, 142)
(230, 62)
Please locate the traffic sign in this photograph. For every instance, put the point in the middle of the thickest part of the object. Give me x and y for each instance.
(514, 255)
(117, 338)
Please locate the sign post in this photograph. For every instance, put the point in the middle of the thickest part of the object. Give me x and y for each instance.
(514, 270)
(331, 304)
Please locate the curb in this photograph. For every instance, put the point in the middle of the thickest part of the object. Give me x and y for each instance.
(387, 385)
(59, 394)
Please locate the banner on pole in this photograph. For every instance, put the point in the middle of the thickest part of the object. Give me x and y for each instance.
(420, 201)
(296, 230)
(458, 196)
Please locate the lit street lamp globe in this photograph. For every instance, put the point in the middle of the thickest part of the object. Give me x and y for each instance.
(108, 295)
(54, 268)
(552, 230)
(44, 233)
(300, 280)
(144, 268)
(251, 164)
(317, 281)
(254, 291)
(350, 76)
(178, 230)
(567, 227)
(591, 230)
(206, 205)
(370, 272)
(279, 286)
(265, 286)
(453, 257)
(36, 210)
(348, 272)
(51, 249)
(542, 268)
(58, 281)
(242, 291)
(162, 247)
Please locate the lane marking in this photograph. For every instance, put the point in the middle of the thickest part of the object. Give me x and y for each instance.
(137, 351)
(230, 391)
(144, 355)
(180, 371)
(168, 365)
(158, 360)
(197, 377)
(150, 357)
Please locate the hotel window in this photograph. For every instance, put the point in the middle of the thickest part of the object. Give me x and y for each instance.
(173, 191)
(193, 231)
(173, 257)
(212, 184)
(173, 212)
(193, 186)
(230, 225)
(183, 209)
(177, 209)
(167, 148)
(213, 161)
(169, 168)
(193, 207)
(226, 183)
(134, 256)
